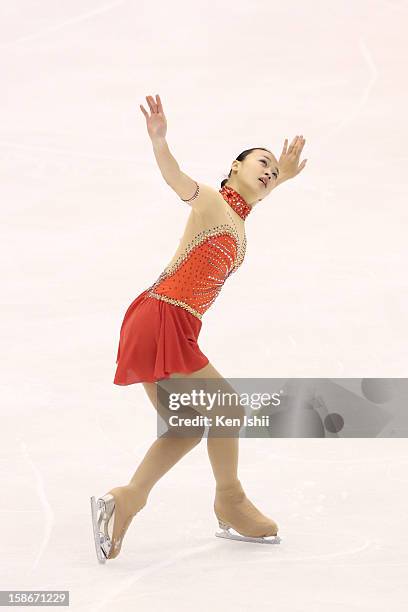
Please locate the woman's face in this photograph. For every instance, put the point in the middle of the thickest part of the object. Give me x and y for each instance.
(257, 165)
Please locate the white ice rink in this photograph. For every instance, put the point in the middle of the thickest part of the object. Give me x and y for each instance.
(87, 223)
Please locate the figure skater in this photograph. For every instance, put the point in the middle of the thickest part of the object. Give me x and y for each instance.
(160, 329)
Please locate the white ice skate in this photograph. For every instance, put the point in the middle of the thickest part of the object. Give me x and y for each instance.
(234, 535)
(102, 535)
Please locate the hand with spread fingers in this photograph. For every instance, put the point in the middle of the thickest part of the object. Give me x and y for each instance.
(288, 162)
(156, 123)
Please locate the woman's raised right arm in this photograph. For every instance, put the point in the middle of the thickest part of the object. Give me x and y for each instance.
(183, 185)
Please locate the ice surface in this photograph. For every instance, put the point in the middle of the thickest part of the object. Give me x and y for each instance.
(88, 223)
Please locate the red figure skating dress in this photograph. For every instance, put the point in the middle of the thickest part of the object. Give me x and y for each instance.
(161, 326)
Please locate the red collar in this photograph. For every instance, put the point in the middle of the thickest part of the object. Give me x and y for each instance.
(236, 201)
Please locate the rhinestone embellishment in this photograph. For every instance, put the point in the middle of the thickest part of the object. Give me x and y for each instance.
(197, 276)
(236, 201)
(193, 197)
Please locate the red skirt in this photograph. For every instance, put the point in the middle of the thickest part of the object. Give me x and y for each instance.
(157, 339)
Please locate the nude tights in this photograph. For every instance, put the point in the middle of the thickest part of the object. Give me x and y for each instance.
(165, 452)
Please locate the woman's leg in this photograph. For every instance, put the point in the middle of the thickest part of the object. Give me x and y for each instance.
(231, 505)
(222, 451)
(165, 452)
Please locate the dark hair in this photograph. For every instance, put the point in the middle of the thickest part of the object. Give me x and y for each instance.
(241, 157)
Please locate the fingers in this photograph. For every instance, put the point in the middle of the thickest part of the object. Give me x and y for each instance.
(299, 148)
(301, 166)
(301, 144)
(154, 105)
(297, 145)
(292, 144)
(159, 104)
(151, 104)
(146, 114)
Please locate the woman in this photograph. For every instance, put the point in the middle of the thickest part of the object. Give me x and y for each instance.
(159, 332)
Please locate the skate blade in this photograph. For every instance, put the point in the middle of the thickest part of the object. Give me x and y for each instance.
(102, 542)
(228, 535)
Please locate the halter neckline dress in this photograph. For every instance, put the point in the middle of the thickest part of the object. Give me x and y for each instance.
(160, 329)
